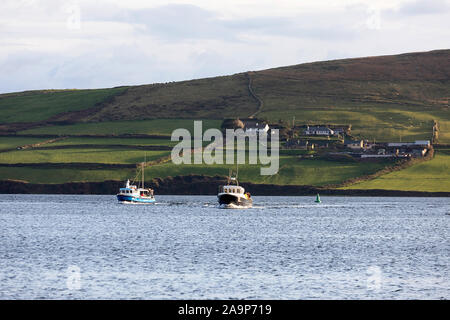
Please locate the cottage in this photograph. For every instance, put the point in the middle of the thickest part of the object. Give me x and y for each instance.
(339, 130)
(419, 152)
(424, 143)
(255, 126)
(318, 131)
(417, 143)
(354, 144)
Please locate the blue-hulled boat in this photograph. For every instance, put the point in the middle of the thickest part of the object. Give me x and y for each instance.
(135, 194)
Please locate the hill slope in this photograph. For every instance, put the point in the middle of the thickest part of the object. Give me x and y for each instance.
(383, 97)
(104, 132)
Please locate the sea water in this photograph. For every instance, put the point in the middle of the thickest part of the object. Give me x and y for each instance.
(184, 247)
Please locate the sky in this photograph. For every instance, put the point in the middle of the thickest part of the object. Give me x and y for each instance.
(51, 44)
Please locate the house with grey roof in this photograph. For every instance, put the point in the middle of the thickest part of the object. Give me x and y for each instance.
(318, 131)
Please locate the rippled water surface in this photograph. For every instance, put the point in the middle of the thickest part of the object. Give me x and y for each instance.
(90, 247)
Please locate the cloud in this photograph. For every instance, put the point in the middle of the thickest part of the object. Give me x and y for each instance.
(420, 7)
(123, 43)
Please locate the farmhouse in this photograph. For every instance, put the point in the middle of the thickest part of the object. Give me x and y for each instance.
(318, 131)
(417, 143)
(418, 148)
(255, 126)
(354, 144)
(251, 126)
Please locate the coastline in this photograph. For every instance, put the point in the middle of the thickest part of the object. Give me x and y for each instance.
(200, 185)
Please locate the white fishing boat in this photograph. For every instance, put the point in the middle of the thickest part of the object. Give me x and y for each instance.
(132, 193)
(233, 196)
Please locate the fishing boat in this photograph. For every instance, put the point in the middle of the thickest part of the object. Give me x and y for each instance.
(233, 196)
(132, 193)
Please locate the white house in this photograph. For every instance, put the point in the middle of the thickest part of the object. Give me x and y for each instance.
(255, 127)
(318, 131)
(421, 143)
(354, 144)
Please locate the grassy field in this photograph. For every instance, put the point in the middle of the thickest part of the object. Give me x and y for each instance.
(35, 106)
(55, 175)
(151, 127)
(210, 98)
(390, 98)
(99, 155)
(369, 122)
(384, 98)
(292, 170)
(433, 175)
(113, 141)
(14, 142)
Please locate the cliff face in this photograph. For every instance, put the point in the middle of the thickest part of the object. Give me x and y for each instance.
(196, 185)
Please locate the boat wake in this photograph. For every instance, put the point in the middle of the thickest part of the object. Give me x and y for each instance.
(135, 202)
(232, 206)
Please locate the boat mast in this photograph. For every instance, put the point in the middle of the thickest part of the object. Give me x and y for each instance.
(237, 173)
(143, 163)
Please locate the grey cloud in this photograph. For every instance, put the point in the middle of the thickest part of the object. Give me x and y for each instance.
(419, 7)
(170, 22)
(239, 44)
(177, 22)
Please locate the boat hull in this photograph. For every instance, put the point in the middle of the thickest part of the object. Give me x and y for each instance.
(132, 199)
(229, 201)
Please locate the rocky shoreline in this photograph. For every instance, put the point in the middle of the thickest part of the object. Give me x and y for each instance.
(198, 185)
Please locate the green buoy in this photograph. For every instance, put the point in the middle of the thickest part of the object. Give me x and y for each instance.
(318, 199)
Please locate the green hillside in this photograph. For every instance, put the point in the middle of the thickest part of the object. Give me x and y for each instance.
(34, 106)
(384, 98)
(162, 127)
(431, 175)
(387, 98)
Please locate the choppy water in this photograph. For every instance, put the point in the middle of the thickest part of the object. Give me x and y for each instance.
(89, 247)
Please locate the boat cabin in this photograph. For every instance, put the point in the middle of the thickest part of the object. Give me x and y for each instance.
(134, 191)
(126, 190)
(146, 192)
(231, 189)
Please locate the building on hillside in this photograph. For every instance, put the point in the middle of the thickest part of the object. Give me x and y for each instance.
(254, 126)
(419, 152)
(339, 130)
(299, 144)
(417, 143)
(318, 131)
(354, 144)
